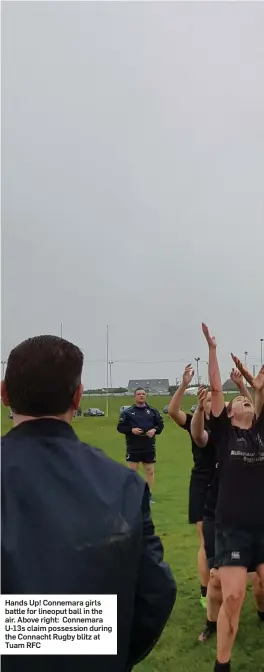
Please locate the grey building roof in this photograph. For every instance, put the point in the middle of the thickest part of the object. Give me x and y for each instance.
(150, 384)
(229, 386)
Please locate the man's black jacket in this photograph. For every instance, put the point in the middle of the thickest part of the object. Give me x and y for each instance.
(144, 418)
(76, 522)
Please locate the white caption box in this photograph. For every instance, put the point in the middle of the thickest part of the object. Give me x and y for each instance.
(58, 625)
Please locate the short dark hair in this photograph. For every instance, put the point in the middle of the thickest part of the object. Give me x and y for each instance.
(140, 389)
(42, 375)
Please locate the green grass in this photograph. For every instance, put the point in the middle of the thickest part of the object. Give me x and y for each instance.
(178, 649)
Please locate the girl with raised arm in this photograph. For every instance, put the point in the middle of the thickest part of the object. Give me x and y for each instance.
(238, 435)
(203, 467)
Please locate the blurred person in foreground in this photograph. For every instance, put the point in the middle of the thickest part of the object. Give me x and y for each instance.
(73, 520)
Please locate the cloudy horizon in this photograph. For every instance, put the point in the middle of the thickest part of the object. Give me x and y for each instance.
(132, 181)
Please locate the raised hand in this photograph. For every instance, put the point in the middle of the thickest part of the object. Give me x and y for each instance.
(188, 375)
(202, 395)
(243, 369)
(236, 377)
(210, 339)
(258, 382)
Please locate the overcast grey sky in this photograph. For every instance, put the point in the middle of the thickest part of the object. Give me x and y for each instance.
(133, 180)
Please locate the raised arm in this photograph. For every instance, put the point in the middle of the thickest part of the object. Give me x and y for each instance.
(199, 434)
(257, 383)
(237, 378)
(218, 400)
(174, 409)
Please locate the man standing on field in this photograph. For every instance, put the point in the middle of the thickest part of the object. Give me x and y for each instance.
(141, 423)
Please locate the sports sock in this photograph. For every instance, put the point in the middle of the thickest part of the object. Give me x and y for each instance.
(211, 625)
(261, 615)
(222, 667)
(203, 591)
(208, 631)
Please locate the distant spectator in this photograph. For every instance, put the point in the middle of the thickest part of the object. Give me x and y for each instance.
(74, 521)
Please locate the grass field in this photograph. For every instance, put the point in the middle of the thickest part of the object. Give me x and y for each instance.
(178, 649)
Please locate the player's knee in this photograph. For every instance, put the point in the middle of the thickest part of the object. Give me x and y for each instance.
(260, 573)
(233, 600)
(133, 465)
(149, 469)
(199, 527)
(215, 580)
(259, 586)
(256, 583)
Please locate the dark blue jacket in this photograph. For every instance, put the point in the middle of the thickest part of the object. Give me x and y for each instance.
(76, 522)
(144, 418)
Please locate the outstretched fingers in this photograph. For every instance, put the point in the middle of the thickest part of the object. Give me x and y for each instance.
(188, 373)
(202, 394)
(205, 331)
(259, 380)
(235, 375)
(243, 369)
(210, 339)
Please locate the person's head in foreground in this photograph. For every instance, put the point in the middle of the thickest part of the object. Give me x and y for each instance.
(43, 379)
(140, 397)
(241, 410)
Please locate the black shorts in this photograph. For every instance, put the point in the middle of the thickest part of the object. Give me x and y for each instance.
(197, 494)
(144, 456)
(239, 547)
(209, 541)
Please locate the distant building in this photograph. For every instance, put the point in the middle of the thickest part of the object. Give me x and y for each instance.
(229, 386)
(152, 386)
(191, 391)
